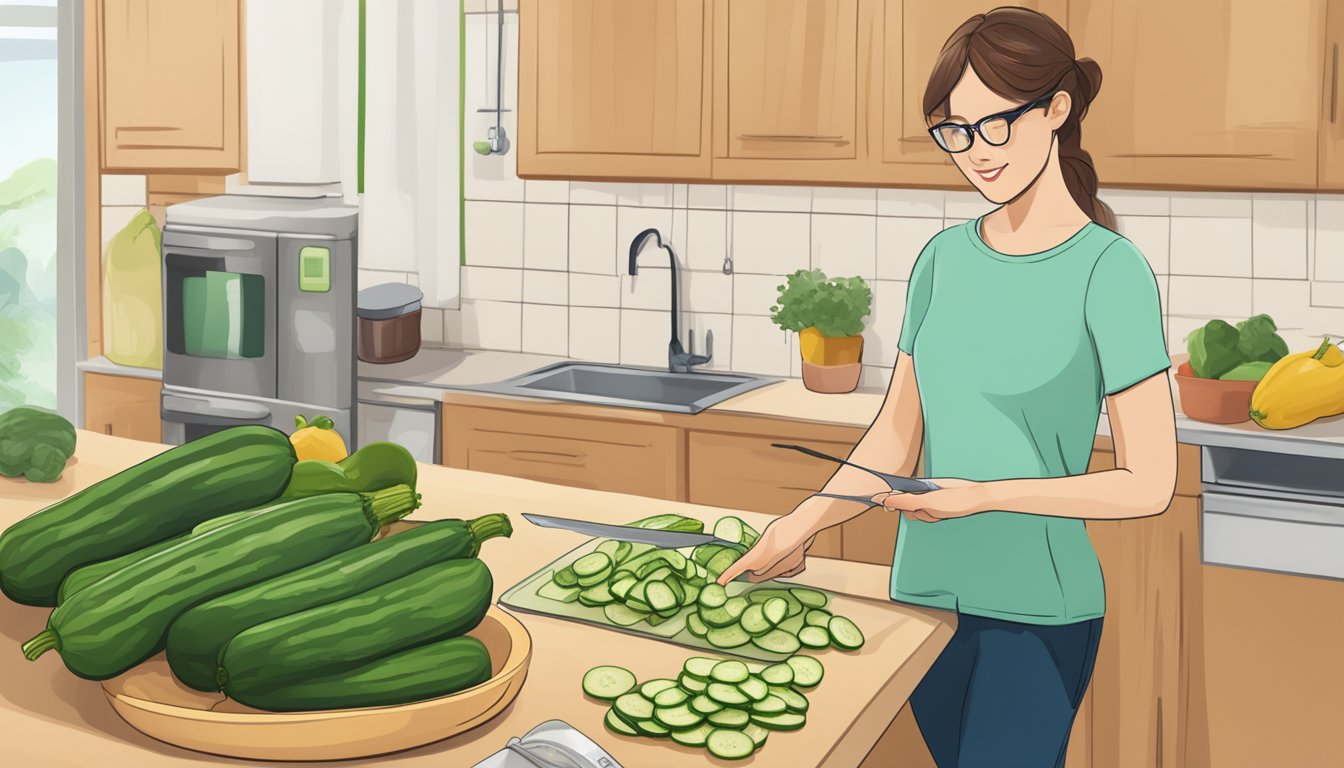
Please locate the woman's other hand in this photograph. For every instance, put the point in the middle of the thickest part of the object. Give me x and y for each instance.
(954, 498)
(781, 551)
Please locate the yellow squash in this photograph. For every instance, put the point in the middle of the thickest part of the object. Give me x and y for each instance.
(1300, 388)
(318, 441)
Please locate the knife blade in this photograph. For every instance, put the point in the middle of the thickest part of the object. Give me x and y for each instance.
(662, 539)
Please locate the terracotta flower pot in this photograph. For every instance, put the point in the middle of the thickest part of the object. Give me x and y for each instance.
(831, 365)
(1213, 400)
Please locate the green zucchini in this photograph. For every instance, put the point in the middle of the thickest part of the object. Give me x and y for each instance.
(436, 602)
(155, 500)
(426, 672)
(608, 683)
(121, 620)
(197, 636)
(372, 468)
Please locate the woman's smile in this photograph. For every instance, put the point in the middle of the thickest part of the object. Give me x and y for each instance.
(990, 174)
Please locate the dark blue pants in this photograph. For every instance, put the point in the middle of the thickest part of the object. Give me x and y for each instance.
(1004, 694)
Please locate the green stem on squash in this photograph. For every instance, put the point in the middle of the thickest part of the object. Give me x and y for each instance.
(488, 527)
(42, 642)
(300, 422)
(1320, 351)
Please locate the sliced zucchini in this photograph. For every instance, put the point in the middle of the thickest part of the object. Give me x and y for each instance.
(776, 609)
(655, 619)
(660, 597)
(730, 718)
(726, 694)
(809, 597)
(674, 583)
(591, 564)
(727, 637)
(736, 606)
(762, 595)
(595, 579)
(691, 684)
(652, 727)
(720, 561)
(616, 725)
(729, 529)
(845, 633)
(699, 666)
(756, 733)
(695, 625)
(596, 596)
(816, 617)
(770, 705)
(637, 603)
(777, 641)
(671, 697)
(622, 616)
(620, 588)
(807, 671)
(655, 571)
(716, 617)
(795, 701)
(553, 591)
(729, 672)
(792, 624)
(566, 577)
(633, 708)
(693, 737)
(705, 705)
(727, 744)
(608, 683)
(785, 721)
(754, 622)
(615, 550)
(679, 717)
(777, 674)
(755, 688)
(691, 592)
(654, 687)
(814, 637)
(713, 596)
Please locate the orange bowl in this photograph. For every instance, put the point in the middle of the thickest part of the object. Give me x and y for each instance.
(1213, 400)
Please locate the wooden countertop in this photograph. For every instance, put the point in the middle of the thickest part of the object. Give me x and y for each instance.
(57, 720)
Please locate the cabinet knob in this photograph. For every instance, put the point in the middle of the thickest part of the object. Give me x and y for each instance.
(107, 428)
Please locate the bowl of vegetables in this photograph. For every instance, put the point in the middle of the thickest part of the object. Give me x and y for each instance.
(1225, 364)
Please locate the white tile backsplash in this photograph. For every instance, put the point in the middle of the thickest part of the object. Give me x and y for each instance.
(645, 195)
(630, 221)
(492, 325)
(1329, 250)
(1210, 246)
(1152, 236)
(760, 347)
(592, 239)
(707, 292)
(1327, 294)
(1287, 301)
(650, 289)
(752, 197)
(594, 290)
(494, 234)
(856, 200)
(1228, 298)
(844, 245)
(706, 239)
(544, 287)
(546, 191)
(769, 243)
(492, 284)
(756, 294)
(644, 337)
(1130, 202)
(884, 325)
(431, 327)
(595, 334)
(1212, 204)
(1279, 237)
(546, 329)
(546, 236)
(707, 196)
(923, 203)
(366, 278)
(695, 327)
(899, 242)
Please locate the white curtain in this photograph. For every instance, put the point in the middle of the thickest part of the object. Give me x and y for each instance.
(410, 208)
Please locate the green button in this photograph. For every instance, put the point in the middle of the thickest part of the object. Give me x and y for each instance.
(314, 269)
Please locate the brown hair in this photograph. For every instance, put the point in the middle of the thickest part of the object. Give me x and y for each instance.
(1024, 55)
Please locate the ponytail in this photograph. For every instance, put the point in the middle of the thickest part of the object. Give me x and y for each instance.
(1080, 175)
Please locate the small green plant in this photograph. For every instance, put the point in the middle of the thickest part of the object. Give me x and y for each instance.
(836, 306)
(1219, 348)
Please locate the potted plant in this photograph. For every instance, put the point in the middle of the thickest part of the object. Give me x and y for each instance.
(1224, 367)
(828, 315)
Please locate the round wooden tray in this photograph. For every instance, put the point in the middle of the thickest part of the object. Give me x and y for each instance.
(155, 703)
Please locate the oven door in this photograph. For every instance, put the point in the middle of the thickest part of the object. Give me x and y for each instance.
(192, 414)
(219, 298)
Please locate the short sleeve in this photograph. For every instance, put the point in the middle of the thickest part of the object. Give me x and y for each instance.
(917, 295)
(1124, 318)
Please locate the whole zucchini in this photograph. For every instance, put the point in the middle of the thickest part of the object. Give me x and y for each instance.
(122, 619)
(436, 602)
(157, 499)
(426, 672)
(197, 636)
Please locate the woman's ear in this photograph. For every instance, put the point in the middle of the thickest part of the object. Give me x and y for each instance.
(1059, 109)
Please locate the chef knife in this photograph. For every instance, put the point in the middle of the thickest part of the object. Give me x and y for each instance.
(661, 539)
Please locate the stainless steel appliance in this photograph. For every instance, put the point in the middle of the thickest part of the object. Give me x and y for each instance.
(259, 313)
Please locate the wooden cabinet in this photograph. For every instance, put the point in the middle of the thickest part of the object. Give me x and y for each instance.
(1204, 93)
(641, 459)
(614, 89)
(913, 34)
(1331, 145)
(124, 406)
(169, 88)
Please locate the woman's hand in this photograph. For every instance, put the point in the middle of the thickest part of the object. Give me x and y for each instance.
(954, 498)
(781, 551)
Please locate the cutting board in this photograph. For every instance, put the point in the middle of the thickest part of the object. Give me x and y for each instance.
(523, 597)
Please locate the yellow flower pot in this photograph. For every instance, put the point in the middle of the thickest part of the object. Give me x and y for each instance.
(831, 365)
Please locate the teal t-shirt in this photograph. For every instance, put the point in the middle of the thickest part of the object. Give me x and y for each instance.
(1013, 356)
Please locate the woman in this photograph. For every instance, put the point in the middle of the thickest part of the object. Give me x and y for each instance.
(1016, 326)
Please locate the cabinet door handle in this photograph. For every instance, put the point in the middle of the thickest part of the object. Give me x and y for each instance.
(789, 137)
(1334, 82)
(549, 457)
(107, 428)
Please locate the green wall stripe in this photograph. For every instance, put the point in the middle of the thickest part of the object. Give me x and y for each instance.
(359, 184)
(462, 134)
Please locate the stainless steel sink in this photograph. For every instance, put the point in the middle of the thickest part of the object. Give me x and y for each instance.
(626, 386)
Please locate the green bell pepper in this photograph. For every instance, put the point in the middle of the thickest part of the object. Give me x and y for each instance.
(372, 468)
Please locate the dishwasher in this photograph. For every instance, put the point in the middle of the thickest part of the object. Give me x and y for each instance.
(1274, 511)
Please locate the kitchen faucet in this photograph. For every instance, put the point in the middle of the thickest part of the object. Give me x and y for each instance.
(678, 359)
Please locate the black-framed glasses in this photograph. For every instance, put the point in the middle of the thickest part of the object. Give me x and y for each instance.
(994, 129)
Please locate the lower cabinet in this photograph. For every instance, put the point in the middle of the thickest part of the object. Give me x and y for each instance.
(124, 406)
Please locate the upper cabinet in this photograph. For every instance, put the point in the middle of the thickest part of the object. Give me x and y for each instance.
(1332, 102)
(913, 33)
(614, 88)
(170, 85)
(1204, 93)
(790, 88)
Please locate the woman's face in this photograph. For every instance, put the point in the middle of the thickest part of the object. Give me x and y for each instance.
(1001, 173)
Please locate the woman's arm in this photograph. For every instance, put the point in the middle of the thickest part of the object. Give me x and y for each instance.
(1143, 427)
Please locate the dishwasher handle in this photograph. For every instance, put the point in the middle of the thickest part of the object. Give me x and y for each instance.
(217, 411)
